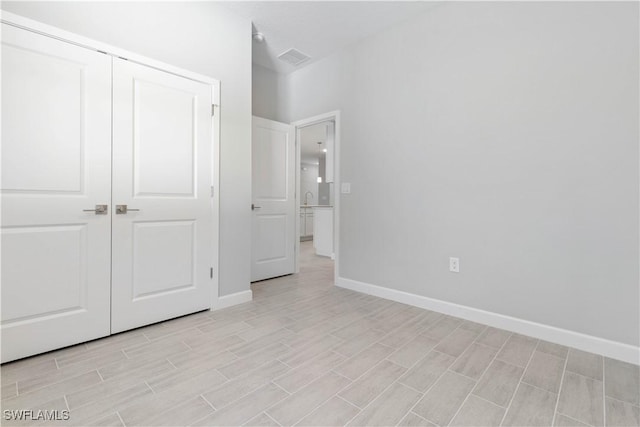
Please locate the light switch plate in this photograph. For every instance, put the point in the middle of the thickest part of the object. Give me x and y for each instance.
(345, 188)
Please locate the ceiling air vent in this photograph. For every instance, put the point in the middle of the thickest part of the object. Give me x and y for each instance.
(294, 57)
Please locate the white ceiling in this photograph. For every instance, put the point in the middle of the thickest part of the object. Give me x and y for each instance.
(317, 28)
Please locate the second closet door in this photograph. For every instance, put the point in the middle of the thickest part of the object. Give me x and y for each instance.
(162, 206)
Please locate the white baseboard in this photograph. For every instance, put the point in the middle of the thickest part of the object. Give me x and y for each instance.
(233, 299)
(612, 349)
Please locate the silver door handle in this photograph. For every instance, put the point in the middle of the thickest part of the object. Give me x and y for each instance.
(99, 210)
(254, 207)
(123, 209)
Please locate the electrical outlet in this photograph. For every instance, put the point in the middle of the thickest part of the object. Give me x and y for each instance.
(345, 188)
(454, 265)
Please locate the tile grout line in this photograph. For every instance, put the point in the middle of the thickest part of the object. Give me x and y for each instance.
(524, 371)
(481, 375)
(120, 418)
(604, 396)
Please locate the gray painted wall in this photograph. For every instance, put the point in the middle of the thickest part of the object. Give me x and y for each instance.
(505, 134)
(267, 91)
(200, 37)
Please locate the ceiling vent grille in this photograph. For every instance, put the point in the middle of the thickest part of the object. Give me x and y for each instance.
(294, 57)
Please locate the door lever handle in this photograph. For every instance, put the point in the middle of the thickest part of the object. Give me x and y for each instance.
(123, 209)
(254, 207)
(99, 210)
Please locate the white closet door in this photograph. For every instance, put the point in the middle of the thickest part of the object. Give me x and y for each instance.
(56, 162)
(273, 228)
(162, 157)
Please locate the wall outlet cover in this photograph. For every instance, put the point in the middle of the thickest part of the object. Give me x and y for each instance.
(345, 188)
(454, 265)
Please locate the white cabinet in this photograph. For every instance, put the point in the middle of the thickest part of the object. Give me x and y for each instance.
(323, 230)
(306, 223)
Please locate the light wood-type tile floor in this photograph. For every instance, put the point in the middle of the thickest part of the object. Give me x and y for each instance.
(304, 352)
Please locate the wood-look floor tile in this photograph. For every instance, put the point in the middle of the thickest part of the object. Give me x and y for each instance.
(621, 413)
(499, 382)
(136, 413)
(252, 361)
(9, 390)
(45, 394)
(474, 361)
(517, 350)
(297, 378)
(246, 408)
(262, 420)
(299, 404)
(389, 408)
(440, 404)
(478, 412)
(544, 371)
(414, 420)
(371, 384)
(564, 421)
(413, 351)
(622, 381)
(425, 373)
(494, 337)
(245, 384)
(334, 412)
(581, 398)
(584, 363)
(183, 414)
(117, 384)
(360, 363)
(109, 404)
(315, 346)
(355, 345)
(442, 328)
(531, 406)
(111, 420)
(457, 342)
(553, 349)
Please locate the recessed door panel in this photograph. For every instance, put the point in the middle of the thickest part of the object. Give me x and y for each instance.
(271, 170)
(163, 258)
(164, 140)
(60, 280)
(272, 234)
(56, 167)
(162, 156)
(47, 156)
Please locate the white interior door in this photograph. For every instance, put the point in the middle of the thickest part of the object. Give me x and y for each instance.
(162, 159)
(56, 163)
(273, 187)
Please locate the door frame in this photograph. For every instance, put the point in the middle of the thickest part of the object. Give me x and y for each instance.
(107, 49)
(333, 116)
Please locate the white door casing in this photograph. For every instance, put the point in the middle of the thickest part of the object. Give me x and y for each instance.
(273, 197)
(56, 162)
(162, 160)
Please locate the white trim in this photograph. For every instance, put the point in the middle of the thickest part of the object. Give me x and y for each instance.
(215, 200)
(78, 40)
(233, 299)
(335, 117)
(612, 349)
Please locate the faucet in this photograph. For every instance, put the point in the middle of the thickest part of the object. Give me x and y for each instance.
(305, 197)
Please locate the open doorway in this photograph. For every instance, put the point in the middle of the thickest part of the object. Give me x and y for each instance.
(316, 186)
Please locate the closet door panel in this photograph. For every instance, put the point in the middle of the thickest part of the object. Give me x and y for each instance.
(56, 167)
(162, 157)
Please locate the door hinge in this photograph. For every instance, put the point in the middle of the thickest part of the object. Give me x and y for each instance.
(211, 273)
(213, 109)
(212, 191)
